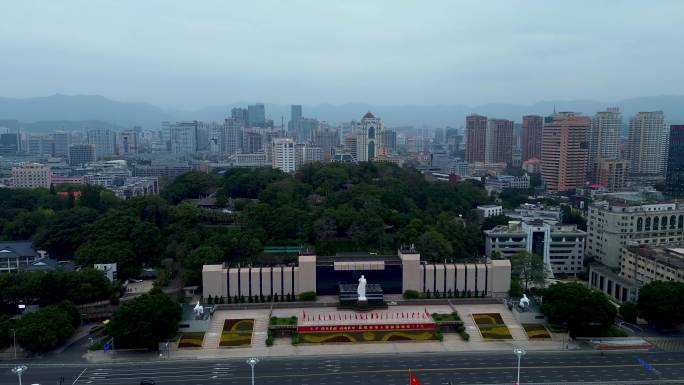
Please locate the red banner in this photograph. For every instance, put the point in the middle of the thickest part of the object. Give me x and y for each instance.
(379, 327)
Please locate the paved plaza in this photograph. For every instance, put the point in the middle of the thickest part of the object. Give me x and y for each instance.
(283, 346)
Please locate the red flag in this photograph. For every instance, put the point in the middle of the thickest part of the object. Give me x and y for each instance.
(413, 380)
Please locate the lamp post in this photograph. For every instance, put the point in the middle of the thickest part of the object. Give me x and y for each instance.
(251, 362)
(14, 343)
(519, 352)
(19, 370)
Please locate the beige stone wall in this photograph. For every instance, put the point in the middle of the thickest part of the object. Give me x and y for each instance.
(412, 277)
(213, 281)
(307, 273)
(500, 277)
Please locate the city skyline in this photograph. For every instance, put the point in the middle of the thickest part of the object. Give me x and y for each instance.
(302, 53)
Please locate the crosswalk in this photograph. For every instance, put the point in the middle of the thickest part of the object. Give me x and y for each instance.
(667, 344)
(128, 375)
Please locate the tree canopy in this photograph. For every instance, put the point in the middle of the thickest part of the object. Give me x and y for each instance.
(585, 312)
(528, 268)
(662, 303)
(145, 321)
(48, 327)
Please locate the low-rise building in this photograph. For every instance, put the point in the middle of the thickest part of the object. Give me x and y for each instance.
(639, 265)
(259, 159)
(505, 182)
(136, 187)
(31, 175)
(487, 211)
(561, 246)
(16, 255)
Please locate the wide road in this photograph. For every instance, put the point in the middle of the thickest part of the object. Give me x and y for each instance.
(431, 369)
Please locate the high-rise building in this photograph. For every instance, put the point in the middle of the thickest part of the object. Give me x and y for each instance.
(40, 145)
(256, 115)
(240, 115)
(565, 151)
(647, 147)
(10, 143)
(127, 142)
(295, 115)
(252, 141)
(453, 141)
(104, 141)
(32, 175)
(284, 154)
(184, 137)
(350, 146)
(604, 140)
(368, 132)
(62, 141)
(440, 136)
(532, 137)
(327, 139)
(80, 154)
(499, 141)
(388, 140)
(305, 129)
(231, 137)
(612, 174)
(476, 138)
(674, 181)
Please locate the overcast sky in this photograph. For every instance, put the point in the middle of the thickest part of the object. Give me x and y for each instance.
(190, 54)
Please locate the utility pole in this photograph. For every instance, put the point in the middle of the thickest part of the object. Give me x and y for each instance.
(14, 343)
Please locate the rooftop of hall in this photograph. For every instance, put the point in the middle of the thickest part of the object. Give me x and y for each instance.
(672, 257)
(358, 256)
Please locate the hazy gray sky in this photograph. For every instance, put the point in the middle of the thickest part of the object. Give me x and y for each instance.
(190, 54)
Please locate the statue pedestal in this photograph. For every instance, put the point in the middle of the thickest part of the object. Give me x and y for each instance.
(362, 302)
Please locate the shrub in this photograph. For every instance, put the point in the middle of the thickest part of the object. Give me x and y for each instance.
(228, 299)
(411, 294)
(307, 296)
(439, 336)
(250, 299)
(275, 297)
(464, 335)
(450, 294)
(221, 300)
(296, 339)
(427, 294)
(628, 312)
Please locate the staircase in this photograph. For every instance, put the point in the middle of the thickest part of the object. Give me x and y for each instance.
(213, 335)
(516, 329)
(260, 333)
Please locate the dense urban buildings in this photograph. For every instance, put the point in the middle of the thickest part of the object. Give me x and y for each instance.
(104, 141)
(532, 137)
(80, 154)
(647, 147)
(565, 151)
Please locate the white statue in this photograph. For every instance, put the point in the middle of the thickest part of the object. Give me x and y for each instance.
(199, 310)
(524, 302)
(361, 290)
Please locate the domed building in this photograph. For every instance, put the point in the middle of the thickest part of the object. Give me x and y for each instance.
(368, 133)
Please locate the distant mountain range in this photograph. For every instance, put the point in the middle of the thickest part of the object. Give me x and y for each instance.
(85, 111)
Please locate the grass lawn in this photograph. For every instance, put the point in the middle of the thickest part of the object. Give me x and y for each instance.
(278, 321)
(191, 340)
(441, 317)
(492, 327)
(536, 331)
(237, 333)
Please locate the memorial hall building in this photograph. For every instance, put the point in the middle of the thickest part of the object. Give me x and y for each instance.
(324, 275)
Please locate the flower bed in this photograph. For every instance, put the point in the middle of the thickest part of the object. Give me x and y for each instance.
(368, 336)
(191, 340)
(237, 333)
(492, 327)
(445, 317)
(536, 331)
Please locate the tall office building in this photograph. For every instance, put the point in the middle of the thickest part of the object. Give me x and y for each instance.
(306, 153)
(368, 133)
(104, 141)
(305, 128)
(240, 116)
(604, 140)
(612, 174)
(326, 139)
(10, 143)
(440, 136)
(231, 137)
(674, 181)
(565, 151)
(499, 141)
(647, 147)
(283, 157)
(476, 138)
(388, 140)
(256, 115)
(62, 141)
(252, 141)
(532, 137)
(40, 145)
(453, 141)
(80, 154)
(184, 137)
(127, 142)
(295, 115)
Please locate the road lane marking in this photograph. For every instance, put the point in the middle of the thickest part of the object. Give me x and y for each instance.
(79, 376)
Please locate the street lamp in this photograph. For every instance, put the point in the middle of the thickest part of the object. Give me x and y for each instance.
(519, 352)
(251, 362)
(19, 370)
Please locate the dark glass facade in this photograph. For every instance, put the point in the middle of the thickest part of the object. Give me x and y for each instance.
(328, 279)
(674, 184)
